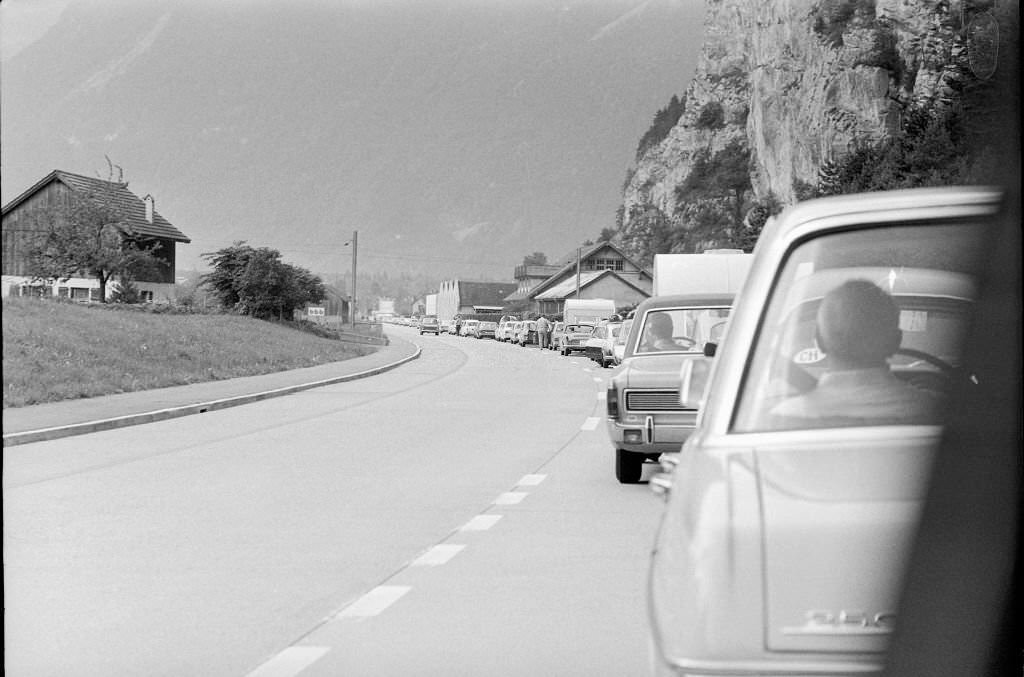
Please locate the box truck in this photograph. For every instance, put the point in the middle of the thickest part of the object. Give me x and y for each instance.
(714, 271)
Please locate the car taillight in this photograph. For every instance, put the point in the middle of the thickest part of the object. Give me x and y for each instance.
(613, 403)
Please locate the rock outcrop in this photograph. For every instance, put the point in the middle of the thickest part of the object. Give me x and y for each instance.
(799, 82)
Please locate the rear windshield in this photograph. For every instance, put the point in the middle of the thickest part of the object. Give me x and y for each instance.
(863, 327)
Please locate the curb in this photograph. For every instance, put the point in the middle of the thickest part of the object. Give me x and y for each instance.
(44, 434)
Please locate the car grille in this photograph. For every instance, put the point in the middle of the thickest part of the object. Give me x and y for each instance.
(653, 400)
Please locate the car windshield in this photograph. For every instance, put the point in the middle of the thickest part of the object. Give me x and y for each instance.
(684, 330)
(863, 328)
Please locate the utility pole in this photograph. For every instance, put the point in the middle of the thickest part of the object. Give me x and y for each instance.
(578, 249)
(355, 248)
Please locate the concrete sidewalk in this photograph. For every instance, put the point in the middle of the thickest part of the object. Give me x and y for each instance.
(53, 420)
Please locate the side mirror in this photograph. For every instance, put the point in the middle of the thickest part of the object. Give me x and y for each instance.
(710, 349)
(693, 377)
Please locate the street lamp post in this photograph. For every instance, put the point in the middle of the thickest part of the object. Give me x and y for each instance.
(355, 249)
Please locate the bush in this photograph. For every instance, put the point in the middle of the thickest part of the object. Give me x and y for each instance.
(832, 17)
(712, 116)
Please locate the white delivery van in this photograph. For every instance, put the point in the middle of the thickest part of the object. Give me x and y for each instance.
(587, 311)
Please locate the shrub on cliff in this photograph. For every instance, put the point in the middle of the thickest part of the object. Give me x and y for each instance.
(664, 120)
(712, 116)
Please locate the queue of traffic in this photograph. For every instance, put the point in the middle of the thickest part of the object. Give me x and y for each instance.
(791, 424)
(601, 340)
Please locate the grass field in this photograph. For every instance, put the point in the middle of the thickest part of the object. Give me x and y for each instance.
(57, 351)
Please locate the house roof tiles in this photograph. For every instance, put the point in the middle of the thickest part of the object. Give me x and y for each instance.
(567, 287)
(132, 206)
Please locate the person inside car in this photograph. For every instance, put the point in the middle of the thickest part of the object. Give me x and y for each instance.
(658, 334)
(858, 330)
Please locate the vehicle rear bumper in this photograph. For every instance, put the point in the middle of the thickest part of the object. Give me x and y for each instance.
(663, 439)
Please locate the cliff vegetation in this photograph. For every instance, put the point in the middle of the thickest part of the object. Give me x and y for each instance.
(798, 99)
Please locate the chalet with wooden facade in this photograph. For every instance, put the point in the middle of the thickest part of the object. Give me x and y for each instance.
(21, 219)
(600, 271)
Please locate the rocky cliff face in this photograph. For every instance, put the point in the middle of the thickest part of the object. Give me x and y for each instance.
(798, 82)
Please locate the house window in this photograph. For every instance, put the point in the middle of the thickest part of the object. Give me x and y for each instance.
(604, 264)
(36, 290)
(80, 293)
(146, 296)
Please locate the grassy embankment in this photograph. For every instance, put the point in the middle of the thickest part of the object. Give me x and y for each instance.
(56, 351)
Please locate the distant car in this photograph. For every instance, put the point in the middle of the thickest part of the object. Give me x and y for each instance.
(645, 415)
(619, 345)
(574, 338)
(468, 327)
(429, 325)
(513, 331)
(448, 327)
(791, 511)
(485, 329)
(503, 330)
(599, 345)
(556, 334)
(527, 333)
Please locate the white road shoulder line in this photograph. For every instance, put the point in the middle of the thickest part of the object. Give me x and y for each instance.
(290, 662)
(531, 480)
(510, 498)
(598, 379)
(602, 394)
(374, 602)
(438, 555)
(480, 523)
(591, 423)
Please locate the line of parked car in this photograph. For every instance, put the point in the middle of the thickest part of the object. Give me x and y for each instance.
(603, 342)
(797, 426)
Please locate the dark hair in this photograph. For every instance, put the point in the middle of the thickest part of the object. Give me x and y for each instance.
(859, 324)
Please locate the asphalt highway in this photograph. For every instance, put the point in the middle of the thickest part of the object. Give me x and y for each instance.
(457, 515)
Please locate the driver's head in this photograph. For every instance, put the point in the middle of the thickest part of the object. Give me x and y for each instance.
(660, 325)
(858, 325)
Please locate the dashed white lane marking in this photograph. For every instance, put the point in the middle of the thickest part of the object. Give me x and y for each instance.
(531, 480)
(602, 395)
(375, 601)
(438, 555)
(480, 523)
(290, 662)
(510, 498)
(587, 369)
(598, 379)
(590, 423)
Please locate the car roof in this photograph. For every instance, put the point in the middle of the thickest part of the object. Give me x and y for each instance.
(683, 300)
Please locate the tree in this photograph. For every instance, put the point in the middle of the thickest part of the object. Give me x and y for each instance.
(536, 259)
(89, 235)
(256, 282)
(607, 234)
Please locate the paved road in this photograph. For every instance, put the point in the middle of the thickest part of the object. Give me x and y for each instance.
(455, 516)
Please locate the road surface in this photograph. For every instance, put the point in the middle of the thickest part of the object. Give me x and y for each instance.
(456, 516)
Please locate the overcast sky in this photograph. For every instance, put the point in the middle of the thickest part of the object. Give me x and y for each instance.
(456, 135)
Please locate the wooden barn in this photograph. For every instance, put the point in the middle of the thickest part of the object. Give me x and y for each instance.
(21, 220)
